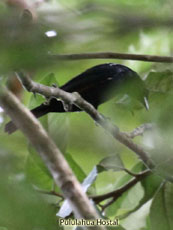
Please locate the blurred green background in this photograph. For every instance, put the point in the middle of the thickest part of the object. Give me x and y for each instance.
(143, 27)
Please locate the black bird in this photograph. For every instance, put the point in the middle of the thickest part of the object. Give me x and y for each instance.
(96, 85)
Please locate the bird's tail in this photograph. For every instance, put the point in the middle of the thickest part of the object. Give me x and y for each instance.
(54, 106)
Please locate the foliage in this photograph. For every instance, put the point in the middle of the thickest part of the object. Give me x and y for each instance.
(89, 26)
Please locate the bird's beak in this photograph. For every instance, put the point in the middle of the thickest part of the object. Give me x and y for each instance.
(146, 104)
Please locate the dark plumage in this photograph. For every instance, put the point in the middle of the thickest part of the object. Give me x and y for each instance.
(96, 85)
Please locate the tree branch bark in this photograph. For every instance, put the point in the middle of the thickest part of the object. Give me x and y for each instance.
(50, 154)
(75, 98)
(112, 55)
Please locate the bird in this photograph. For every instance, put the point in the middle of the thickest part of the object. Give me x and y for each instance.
(96, 85)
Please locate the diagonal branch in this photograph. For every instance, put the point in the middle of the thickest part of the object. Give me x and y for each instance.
(75, 98)
(111, 55)
(50, 154)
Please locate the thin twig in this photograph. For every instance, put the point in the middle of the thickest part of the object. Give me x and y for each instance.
(112, 55)
(139, 131)
(130, 172)
(118, 192)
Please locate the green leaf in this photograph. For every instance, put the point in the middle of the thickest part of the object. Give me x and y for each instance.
(161, 214)
(58, 129)
(38, 174)
(135, 169)
(160, 81)
(150, 185)
(128, 103)
(35, 100)
(36, 170)
(49, 80)
(130, 199)
(79, 173)
(113, 162)
(22, 207)
(37, 159)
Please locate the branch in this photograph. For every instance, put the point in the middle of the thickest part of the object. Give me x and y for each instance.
(118, 192)
(139, 131)
(111, 55)
(114, 194)
(75, 98)
(50, 154)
